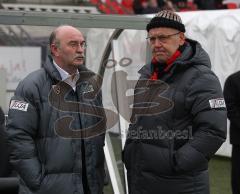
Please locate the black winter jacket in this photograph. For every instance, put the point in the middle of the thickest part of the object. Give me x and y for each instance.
(168, 151)
(232, 96)
(5, 168)
(48, 160)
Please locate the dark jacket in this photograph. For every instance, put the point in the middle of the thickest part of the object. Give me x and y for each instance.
(5, 168)
(47, 158)
(167, 151)
(232, 98)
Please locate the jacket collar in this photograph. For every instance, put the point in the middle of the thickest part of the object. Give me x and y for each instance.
(181, 61)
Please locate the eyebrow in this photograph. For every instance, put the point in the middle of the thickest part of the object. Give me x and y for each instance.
(76, 41)
(163, 34)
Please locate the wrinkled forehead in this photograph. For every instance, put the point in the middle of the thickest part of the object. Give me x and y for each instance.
(162, 31)
(68, 34)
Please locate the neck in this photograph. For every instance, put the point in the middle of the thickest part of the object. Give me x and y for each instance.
(71, 69)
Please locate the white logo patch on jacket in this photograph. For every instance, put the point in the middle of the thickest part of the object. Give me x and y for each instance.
(88, 89)
(217, 103)
(18, 105)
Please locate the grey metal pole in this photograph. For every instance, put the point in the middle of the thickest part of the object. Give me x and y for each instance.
(3, 89)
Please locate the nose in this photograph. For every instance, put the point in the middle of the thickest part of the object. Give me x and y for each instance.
(80, 49)
(157, 42)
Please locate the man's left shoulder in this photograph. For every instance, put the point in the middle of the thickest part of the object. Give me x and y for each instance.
(203, 70)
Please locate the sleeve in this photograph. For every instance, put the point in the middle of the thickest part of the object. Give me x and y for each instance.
(4, 159)
(100, 104)
(2, 117)
(209, 123)
(232, 101)
(21, 131)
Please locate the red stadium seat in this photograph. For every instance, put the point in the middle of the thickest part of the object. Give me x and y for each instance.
(127, 4)
(116, 7)
(231, 5)
(103, 8)
(94, 2)
(192, 6)
(111, 7)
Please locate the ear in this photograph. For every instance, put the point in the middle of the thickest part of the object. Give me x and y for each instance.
(54, 50)
(182, 38)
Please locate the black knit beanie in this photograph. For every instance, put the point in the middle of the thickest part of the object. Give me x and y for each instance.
(168, 19)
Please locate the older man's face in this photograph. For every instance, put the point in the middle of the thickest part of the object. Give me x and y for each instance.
(68, 49)
(164, 42)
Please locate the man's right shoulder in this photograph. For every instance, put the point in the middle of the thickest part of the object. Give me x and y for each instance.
(145, 71)
(234, 77)
(33, 80)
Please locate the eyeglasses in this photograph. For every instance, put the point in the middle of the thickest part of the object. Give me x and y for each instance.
(161, 38)
(76, 44)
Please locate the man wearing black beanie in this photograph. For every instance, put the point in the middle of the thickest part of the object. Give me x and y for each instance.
(179, 115)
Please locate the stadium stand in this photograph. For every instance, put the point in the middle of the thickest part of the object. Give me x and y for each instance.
(50, 8)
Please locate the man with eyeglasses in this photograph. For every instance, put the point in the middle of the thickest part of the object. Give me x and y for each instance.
(179, 115)
(54, 149)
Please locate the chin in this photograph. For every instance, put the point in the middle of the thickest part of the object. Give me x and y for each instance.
(78, 64)
(160, 57)
(161, 60)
